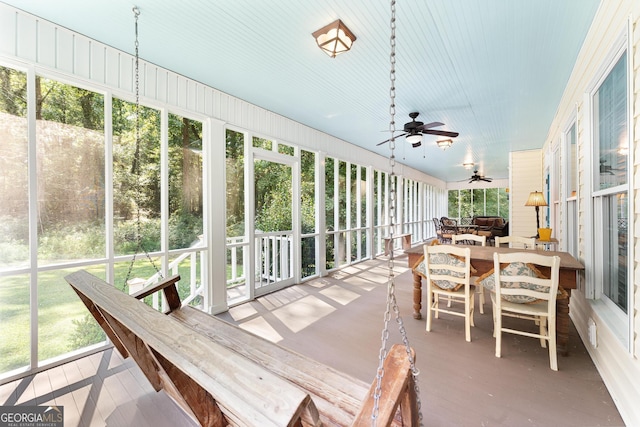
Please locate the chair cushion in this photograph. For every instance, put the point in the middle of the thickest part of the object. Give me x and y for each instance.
(446, 259)
(488, 281)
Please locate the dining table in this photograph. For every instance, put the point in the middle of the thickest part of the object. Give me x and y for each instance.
(482, 262)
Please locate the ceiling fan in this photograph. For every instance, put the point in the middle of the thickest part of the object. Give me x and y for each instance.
(476, 177)
(414, 130)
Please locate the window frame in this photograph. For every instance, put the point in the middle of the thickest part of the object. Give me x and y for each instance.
(620, 323)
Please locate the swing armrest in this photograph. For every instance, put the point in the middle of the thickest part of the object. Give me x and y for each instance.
(169, 288)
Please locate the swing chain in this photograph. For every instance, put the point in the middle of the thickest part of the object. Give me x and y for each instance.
(136, 159)
(391, 297)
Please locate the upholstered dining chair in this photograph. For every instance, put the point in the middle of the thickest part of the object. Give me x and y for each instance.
(448, 273)
(516, 242)
(520, 290)
(463, 239)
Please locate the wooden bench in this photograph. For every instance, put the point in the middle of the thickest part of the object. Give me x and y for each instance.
(222, 375)
(388, 242)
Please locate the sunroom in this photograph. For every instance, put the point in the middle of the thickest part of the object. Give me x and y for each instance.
(134, 148)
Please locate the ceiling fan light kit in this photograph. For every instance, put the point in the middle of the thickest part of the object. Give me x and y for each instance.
(334, 38)
(415, 140)
(444, 143)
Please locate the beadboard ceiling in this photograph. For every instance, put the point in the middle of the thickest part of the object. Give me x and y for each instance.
(492, 70)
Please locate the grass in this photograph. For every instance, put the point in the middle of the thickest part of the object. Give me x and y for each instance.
(61, 314)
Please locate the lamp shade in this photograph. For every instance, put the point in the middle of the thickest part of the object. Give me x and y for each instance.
(536, 198)
(415, 140)
(334, 38)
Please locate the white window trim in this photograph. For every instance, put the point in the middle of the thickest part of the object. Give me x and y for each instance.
(621, 324)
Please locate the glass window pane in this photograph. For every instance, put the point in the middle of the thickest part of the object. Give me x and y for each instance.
(136, 179)
(328, 188)
(308, 192)
(503, 203)
(490, 201)
(353, 197)
(308, 254)
(363, 198)
(14, 173)
(342, 196)
(453, 210)
(185, 182)
(71, 171)
(262, 143)
(235, 184)
(573, 161)
(64, 323)
(610, 133)
(286, 149)
(15, 319)
(615, 249)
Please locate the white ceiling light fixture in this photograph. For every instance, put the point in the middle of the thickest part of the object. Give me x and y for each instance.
(415, 139)
(334, 38)
(444, 143)
(468, 165)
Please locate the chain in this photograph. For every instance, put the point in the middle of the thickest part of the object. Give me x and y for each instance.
(136, 160)
(392, 304)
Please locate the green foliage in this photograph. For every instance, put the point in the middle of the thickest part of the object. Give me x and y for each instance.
(86, 332)
(126, 236)
(469, 203)
(184, 230)
(72, 241)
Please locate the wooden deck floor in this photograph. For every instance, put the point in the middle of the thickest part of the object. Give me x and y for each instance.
(338, 320)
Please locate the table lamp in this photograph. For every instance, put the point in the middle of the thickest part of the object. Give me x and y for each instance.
(536, 198)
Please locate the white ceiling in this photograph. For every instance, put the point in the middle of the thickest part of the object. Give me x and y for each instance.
(492, 70)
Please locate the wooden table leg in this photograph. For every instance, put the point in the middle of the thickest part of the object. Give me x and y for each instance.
(562, 324)
(417, 296)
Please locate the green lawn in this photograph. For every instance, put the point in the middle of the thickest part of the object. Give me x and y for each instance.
(63, 324)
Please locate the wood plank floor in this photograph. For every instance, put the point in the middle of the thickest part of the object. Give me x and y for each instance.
(338, 320)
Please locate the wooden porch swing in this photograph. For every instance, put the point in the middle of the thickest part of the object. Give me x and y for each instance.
(222, 375)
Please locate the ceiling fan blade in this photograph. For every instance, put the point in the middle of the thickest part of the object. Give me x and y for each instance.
(430, 125)
(385, 141)
(440, 133)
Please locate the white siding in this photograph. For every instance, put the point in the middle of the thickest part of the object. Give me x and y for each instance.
(525, 176)
(618, 364)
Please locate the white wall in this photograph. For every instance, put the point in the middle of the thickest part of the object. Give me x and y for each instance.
(525, 176)
(616, 360)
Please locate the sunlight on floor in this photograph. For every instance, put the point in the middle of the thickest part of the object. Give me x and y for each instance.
(261, 327)
(340, 294)
(300, 314)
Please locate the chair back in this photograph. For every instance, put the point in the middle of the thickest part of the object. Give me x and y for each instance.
(448, 267)
(465, 239)
(517, 241)
(517, 278)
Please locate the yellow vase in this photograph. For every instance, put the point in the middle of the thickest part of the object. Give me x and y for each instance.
(545, 233)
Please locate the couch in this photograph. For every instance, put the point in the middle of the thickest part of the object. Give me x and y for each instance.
(491, 226)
